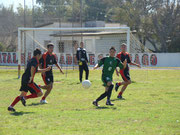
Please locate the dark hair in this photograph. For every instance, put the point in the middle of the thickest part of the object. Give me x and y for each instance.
(112, 48)
(36, 52)
(49, 45)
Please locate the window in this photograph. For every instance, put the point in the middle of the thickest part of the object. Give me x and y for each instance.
(61, 47)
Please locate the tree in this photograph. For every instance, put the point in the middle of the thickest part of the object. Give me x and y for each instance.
(149, 20)
(9, 22)
(166, 21)
(96, 10)
(1, 47)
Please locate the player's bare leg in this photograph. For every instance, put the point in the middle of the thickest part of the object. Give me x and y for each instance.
(33, 95)
(44, 87)
(119, 84)
(123, 88)
(48, 89)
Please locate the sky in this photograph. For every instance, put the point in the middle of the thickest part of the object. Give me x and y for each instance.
(7, 3)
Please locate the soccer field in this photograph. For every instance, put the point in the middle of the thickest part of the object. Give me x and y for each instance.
(151, 106)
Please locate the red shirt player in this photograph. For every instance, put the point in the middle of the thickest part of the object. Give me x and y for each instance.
(124, 72)
(48, 59)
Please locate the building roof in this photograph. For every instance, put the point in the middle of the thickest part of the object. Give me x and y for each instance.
(93, 33)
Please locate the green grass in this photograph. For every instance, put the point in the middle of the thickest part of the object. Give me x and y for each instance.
(151, 106)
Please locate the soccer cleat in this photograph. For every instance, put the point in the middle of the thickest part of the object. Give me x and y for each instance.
(11, 109)
(119, 97)
(116, 87)
(95, 103)
(43, 102)
(109, 103)
(23, 101)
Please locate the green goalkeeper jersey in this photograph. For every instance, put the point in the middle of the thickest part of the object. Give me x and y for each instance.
(110, 64)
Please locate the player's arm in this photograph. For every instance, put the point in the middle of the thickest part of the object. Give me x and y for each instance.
(40, 66)
(121, 65)
(32, 73)
(44, 70)
(78, 58)
(96, 66)
(131, 63)
(57, 65)
(77, 55)
(118, 57)
(124, 63)
(86, 57)
(135, 64)
(39, 71)
(41, 63)
(101, 62)
(117, 73)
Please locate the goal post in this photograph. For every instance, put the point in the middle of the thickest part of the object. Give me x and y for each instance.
(98, 36)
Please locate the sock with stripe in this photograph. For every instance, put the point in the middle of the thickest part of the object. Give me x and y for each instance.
(43, 98)
(120, 93)
(16, 100)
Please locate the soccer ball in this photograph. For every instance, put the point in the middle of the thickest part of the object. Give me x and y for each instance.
(86, 84)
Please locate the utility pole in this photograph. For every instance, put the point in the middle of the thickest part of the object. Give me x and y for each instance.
(33, 25)
(81, 5)
(24, 33)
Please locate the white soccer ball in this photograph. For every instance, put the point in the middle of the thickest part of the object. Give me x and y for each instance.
(86, 84)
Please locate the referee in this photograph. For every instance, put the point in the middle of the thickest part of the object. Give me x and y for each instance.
(81, 56)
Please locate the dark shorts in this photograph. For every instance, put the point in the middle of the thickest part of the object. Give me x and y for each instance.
(125, 74)
(31, 87)
(48, 78)
(106, 79)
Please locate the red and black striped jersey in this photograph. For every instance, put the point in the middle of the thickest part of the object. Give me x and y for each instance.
(122, 56)
(48, 60)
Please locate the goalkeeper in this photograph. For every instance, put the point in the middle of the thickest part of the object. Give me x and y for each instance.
(81, 56)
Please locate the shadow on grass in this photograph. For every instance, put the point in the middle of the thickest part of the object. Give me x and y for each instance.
(57, 81)
(20, 113)
(133, 81)
(35, 104)
(76, 83)
(117, 99)
(104, 107)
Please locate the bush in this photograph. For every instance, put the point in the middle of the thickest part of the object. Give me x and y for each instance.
(1, 47)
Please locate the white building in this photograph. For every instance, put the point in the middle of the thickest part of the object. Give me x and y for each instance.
(94, 42)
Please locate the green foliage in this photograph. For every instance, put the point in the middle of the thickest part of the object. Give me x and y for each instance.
(156, 21)
(96, 10)
(175, 46)
(151, 106)
(1, 47)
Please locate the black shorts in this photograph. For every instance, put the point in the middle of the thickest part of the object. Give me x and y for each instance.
(48, 78)
(125, 74)
(31, 87)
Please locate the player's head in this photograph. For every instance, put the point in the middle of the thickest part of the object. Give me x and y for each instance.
(50, 47)
(37, 53)
(112, 51)
(81, 45)
(123, 47)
